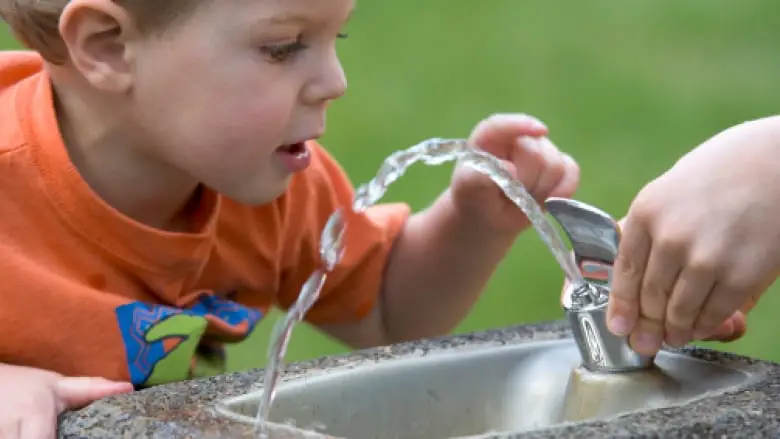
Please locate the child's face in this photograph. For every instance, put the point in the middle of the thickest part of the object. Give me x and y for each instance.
(222, 92)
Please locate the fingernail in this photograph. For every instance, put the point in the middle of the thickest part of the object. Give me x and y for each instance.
(538, 125)
(647, 342)
(618, 325)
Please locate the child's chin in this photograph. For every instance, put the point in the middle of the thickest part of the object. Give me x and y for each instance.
(265, 194)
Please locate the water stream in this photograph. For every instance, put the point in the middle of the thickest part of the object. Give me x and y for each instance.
(431, 152)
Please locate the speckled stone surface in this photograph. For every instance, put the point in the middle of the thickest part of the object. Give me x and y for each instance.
(187, 410)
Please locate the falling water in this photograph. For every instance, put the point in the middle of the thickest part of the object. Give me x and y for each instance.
(431, 152)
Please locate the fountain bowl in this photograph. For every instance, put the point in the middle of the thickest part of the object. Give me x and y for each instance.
(744, 403)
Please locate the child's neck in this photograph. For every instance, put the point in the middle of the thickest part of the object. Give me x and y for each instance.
(101, 148)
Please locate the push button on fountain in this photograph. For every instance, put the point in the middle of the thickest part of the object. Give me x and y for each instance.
(594, 270)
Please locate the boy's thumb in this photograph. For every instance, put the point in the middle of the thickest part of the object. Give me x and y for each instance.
(74, 393)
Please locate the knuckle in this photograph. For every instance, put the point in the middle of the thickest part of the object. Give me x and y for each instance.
(640, 212)
(556, 169)
(625, 267)
(671, 241)
(682, 310)
(737, 283)
(703, 263)
(681, 315)
(643, 207)
(653, 304)
(654, 292)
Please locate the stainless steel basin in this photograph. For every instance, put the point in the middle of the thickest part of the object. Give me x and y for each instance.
(468, 393)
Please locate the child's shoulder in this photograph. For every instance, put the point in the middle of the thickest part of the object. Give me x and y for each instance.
(16, 68)
(16, 65)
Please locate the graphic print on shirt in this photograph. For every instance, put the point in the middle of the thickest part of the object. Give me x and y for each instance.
(161, 341)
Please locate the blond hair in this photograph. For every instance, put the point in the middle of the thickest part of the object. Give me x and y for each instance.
(35, 23)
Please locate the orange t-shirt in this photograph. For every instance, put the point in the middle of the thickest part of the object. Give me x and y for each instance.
(88, 291)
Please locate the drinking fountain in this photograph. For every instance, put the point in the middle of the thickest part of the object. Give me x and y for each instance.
(482, 389)
(594, 237)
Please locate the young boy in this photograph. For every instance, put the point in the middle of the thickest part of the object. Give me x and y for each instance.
(162, 189)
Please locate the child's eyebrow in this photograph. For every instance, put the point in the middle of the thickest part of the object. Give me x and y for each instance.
(289, 18)
(296, 18)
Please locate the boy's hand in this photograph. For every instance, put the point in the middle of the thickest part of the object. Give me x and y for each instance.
(31, 399)
(731, 329)
(536, 163)
(701, 243)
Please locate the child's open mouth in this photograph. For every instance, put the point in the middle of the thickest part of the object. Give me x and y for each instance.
(295, 156)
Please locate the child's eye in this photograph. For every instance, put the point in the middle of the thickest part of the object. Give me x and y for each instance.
(282, 52)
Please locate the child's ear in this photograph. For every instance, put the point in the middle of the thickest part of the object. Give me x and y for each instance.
(96, 34)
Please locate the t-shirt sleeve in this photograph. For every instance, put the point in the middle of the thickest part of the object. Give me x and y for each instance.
(351, 290)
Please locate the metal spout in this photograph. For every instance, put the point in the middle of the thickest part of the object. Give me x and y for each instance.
(594, 236)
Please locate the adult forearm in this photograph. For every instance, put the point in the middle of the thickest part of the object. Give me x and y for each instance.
(437, 270)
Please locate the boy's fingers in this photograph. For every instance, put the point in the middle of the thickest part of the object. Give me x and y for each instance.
(691, 291)
(504, 128)
(567, 186)
(552, 170)
(730, 330)
(78, 392)
(721, 304)
(738, 290)
(663, 268)
(527, 160)
(627, 274)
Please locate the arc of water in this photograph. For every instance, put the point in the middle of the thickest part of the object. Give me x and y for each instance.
(432, 152)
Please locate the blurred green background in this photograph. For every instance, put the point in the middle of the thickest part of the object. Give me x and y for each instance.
(626, 87)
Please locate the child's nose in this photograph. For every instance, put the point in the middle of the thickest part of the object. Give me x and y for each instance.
(329, 84)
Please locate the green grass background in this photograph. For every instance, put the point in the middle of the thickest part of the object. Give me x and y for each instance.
(626, 87)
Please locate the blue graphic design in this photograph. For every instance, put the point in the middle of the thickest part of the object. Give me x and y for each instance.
(160, 341)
